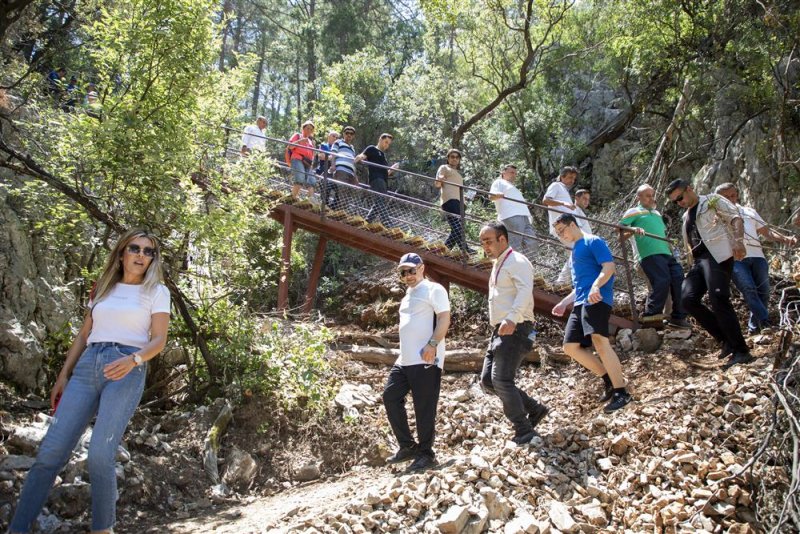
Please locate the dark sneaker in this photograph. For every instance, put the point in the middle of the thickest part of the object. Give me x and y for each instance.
(608, 392)
(524, 439)
(422, 463)
(537, 414)
(618, 400)
(725, 351)
(739, 357)
(403, 454)
(682, 324)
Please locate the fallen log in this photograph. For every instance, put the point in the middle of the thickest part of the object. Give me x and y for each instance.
(454, 360)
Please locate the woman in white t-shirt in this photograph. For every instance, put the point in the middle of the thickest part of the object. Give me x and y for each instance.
(103, 375)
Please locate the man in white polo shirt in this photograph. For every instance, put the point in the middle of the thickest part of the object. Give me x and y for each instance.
(424, 320)
(253, 138)
(515, 216)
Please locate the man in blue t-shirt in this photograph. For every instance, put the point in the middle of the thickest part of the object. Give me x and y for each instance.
(593, 296)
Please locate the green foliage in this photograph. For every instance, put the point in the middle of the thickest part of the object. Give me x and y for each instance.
(289, 361)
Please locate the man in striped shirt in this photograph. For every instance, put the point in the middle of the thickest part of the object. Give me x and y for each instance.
(343, 167)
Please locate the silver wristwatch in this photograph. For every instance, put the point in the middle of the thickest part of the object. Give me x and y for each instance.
(137, 359)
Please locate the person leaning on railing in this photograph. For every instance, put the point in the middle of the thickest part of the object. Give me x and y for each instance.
(450, 181)
(660, 267)
(515, 216)
(103, 375)
(751, 274)
(343, 167)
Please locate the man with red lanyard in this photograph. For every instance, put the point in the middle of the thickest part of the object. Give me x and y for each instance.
(301, 159)
(511, 315)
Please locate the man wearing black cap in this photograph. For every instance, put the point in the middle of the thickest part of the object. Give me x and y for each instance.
(511, 315)
(424, 320)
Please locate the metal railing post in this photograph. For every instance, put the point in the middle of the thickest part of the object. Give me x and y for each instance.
(628, 278)
(463, 220)
(323, 198)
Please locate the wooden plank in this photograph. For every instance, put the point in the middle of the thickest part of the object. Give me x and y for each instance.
(391, 250)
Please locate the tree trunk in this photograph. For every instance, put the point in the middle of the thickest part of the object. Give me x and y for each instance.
(311, 56)
(659, 169)
(226, 8)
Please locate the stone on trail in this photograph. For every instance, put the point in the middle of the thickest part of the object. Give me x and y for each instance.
(624, 339)
(453, 520)
(594, 513)
(497, 505)
(16, 462)
(308, 471)
(646, 340)
(240, 470)
(521, 524)
(561, 518)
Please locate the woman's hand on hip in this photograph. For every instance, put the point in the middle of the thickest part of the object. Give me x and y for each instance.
(119, 368)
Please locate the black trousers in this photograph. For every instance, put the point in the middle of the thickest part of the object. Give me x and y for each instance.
(456, 237)
(424, 382)
(379, 209)
(708, 276)
(500, 365)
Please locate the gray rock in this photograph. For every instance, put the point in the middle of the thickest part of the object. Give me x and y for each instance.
(26, 439)
(241, 469)
(70, 500)
(646, 340)
(16, 462)
(308, 471)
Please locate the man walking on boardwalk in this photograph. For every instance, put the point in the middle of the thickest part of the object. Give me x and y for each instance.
(558, 198)
(660, 267)
(511, 316)
(378, 176)
(512, 212)
(713, 231)
(424, 320)
(253, 137)
(592, 298)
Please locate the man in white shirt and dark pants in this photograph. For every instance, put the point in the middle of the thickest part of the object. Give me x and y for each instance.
(511, 316)
(424, 320)
(253, 137)
(515, 216)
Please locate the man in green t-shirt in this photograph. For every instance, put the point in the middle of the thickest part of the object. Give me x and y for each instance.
(655, 257)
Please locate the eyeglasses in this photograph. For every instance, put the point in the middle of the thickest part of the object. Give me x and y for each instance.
(406, 272)
(560, 229)
(147, 251)
(679, 198)
(454, 156)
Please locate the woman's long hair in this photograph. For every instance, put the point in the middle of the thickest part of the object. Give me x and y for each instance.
(454, 151)
(112, 273)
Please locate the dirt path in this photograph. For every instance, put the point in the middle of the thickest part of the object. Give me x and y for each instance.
(276, 513)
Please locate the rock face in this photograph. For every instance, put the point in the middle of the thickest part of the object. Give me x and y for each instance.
(34, 301)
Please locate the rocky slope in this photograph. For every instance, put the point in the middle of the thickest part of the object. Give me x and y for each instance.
(674, 460)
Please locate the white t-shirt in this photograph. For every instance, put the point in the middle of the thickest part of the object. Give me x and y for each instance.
(557, 191)
(583, 224)
(124, 314)
(505, 208)
(417, 310)
(253, 138)
(752, 224)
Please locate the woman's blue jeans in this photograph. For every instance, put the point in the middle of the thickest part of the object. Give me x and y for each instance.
(87, 393)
